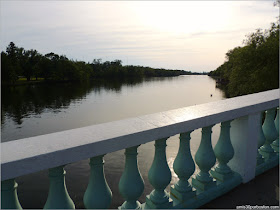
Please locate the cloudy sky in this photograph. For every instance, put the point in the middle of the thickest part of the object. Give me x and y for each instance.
(170, 34)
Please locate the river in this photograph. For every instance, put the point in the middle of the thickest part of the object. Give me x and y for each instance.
(40, 109)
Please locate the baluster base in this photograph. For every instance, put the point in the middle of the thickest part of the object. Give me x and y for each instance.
(166, 203)
(221, 176)
(267, 152)
(211, 194)
(203, 181)
(202, 186)
(181, 197)
(275, 145)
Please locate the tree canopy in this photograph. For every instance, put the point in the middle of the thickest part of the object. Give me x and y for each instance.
(17, 62)
(253, 67)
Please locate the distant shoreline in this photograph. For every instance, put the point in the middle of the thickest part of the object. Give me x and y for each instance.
(42, 81)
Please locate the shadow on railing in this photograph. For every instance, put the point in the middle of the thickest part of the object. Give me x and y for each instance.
(245, 148)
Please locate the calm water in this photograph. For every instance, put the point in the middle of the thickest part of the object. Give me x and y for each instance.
(35, 110)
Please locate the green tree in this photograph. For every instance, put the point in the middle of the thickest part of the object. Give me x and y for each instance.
(30, 63)
(10, 69)
(253, 67)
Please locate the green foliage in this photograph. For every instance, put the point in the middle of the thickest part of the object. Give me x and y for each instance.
(18, 62)
(253, 67)
(9, 67)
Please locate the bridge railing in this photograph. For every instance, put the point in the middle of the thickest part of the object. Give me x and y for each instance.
(246, 148)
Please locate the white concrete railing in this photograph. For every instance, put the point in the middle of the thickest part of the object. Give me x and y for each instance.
(242, 114)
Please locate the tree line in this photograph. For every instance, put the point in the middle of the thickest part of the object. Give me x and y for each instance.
(17, 62)
(253, 67)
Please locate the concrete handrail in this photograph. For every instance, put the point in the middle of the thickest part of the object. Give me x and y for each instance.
(29, 155)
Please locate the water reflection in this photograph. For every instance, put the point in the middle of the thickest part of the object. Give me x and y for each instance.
(24, 101)
(35, 110)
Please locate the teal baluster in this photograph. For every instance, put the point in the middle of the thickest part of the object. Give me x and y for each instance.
(275, 144)
(205, 159)
(270, 134)
(261, 141)
(184, 167)
(98, 194)
(159, 177)
(58, 197)
(9, 198)
(224, 153)
(131, 185)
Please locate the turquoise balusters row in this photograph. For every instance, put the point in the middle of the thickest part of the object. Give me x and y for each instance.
(9, 198)
(270, 134)
(261, 141)
(131, 185)
(224, 153)
(275, 144)
(159, 176)
(205, 159)
(98, 194)
(58, 197)
(184, 167)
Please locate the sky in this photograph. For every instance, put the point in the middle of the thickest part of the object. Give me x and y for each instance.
(185, 35)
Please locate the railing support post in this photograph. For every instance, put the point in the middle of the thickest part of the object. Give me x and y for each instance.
(184, 167)
(159, 177)
(131, 184)
(270, 134)
(58, 197)
(205, 159)
(275, 144)
(261, 141)
(224, 153)
(9, 198)
(244, 134)
(98, 194)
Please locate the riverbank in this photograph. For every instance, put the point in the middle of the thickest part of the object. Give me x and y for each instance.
(222, 84)
(33, 81)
